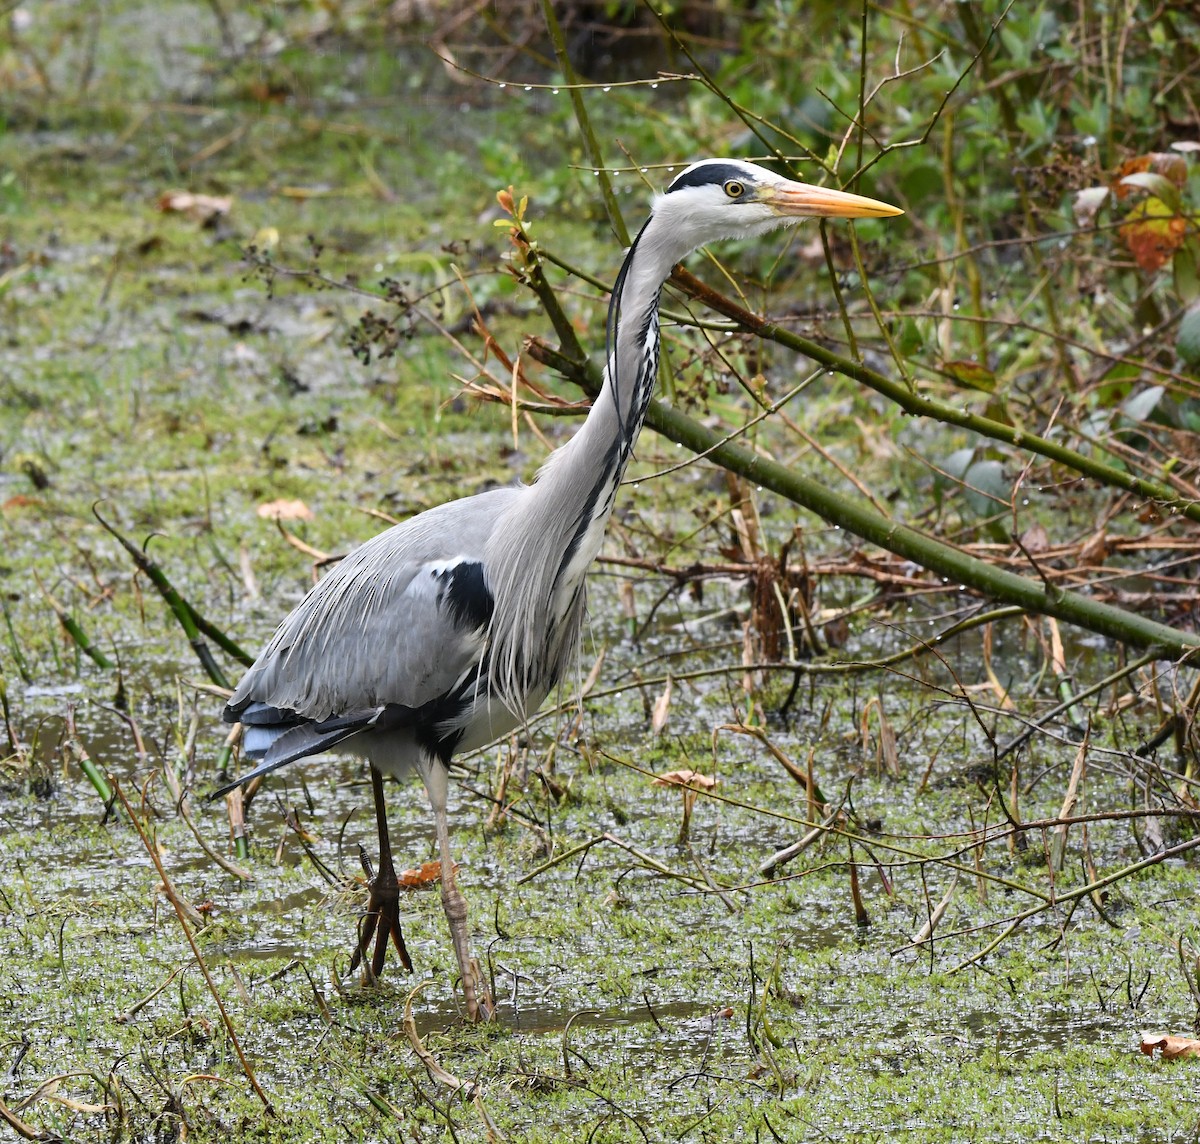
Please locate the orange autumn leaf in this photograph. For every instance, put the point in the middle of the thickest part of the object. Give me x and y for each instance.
(1168, 1047)
(425, 875)
(1172, 167)
(1153, 232)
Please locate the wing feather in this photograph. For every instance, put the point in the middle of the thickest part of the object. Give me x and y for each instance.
(397, 622)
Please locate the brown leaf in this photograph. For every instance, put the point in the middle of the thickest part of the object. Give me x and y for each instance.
(1152, 232)
(1095, 549)
(1169, 1047)
(284, 509)
(1035, 539)
(687, 778)
(202, 208)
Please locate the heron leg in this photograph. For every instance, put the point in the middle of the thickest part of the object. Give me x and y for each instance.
(475, 991)
(382, 919)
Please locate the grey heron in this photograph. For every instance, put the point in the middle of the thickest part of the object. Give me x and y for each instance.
(450, 629)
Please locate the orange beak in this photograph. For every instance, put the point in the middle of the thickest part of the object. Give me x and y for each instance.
(808, 201)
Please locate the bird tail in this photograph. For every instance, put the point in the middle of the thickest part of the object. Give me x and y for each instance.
(276, 737)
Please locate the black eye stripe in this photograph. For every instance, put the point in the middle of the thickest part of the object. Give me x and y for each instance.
(709, 174)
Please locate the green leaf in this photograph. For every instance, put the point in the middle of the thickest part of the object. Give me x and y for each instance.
(908, 338)
(972, 375)
(988, 490)
(1187, 341)
(1185, 266)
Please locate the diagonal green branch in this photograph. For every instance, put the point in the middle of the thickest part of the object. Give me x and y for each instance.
(855, 515)
(920, 405)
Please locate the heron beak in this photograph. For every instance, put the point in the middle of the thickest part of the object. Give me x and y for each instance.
(807, 201)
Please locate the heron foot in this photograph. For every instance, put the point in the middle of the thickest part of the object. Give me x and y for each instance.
(476, 995)
(381, 921)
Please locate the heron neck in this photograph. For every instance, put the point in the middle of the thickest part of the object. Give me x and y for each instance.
(611, 430)
(540, 551)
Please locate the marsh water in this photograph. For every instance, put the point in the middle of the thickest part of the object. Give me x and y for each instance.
(650, 986)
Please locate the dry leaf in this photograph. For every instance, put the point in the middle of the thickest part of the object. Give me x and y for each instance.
(662, 709)
(888, 752)
(687, 778)
(1169, 1047)
(203, 208)
(285, 510)
(1095, 549)
(1087, 204)
(1035, 539)
(690, 784)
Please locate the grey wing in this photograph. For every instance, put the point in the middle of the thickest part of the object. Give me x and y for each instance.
(399, 623)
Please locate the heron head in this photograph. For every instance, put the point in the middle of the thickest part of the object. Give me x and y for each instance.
(730, 198)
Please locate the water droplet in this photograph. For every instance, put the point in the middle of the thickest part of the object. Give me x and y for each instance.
(956, 305)
(758, 488)
(503, 86)
(1024, 500)
(645, 169)
(608, 89)
(596, 173)
(529, 87)
(653, 86)
(554, 91)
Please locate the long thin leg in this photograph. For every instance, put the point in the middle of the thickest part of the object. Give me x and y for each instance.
(475, 992)
(383, 905)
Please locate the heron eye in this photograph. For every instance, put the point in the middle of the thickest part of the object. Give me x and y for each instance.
(734, 189)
